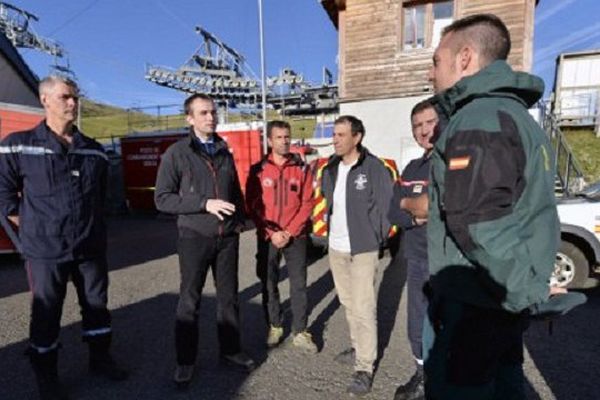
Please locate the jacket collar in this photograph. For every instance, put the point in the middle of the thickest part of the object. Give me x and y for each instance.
(292, 159)
(334, 160)
(44, 134)
(220, 144)
(496, 80)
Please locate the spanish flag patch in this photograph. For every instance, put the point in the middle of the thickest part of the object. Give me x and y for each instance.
(459, 163)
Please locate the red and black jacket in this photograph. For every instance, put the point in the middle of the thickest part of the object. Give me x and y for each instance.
(280, 197)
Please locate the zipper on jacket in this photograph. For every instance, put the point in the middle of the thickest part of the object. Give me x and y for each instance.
(286, 192)
(440, 205)
(214, 175)
(282, 189)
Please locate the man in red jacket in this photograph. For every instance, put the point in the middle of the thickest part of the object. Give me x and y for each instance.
(279, 200)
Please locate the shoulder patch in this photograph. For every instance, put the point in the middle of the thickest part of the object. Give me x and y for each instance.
(459, 163)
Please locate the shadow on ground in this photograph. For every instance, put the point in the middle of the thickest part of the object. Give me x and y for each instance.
(390, 292)
(568, 357)
(132, 239)
(144, 342)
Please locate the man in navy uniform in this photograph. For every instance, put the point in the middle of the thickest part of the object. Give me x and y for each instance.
(413, 183)
(52, 186)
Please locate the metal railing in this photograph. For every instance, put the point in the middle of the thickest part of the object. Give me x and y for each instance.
(569, 174)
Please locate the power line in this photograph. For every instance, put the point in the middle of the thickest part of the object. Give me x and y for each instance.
(75, 16)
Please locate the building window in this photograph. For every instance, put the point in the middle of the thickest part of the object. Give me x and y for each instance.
(423, 23)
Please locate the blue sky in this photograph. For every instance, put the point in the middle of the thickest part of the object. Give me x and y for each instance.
(110, 41)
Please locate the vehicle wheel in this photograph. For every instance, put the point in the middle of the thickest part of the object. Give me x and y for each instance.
(571, 268)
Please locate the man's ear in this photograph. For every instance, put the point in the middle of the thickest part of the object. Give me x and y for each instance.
(466, 57)
(189, 119)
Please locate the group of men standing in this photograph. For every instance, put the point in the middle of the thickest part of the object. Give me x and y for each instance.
(198, 182)
(477, 211)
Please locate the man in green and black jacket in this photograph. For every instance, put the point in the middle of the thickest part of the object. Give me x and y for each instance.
(493, 229)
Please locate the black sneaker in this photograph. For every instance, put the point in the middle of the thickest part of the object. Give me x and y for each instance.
(346, 357)
(183, 375)
(414, 389)
(361, 383)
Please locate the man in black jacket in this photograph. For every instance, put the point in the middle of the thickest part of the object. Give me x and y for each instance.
(52, 186)
(358, 189)
(197, 180)
(413, 183)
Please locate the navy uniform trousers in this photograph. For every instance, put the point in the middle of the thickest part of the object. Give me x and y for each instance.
(48, 283)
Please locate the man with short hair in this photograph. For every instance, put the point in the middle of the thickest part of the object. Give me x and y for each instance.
(52, 186)
(279, 200)
(414, 182)
(493, 229)
(358, 189)
(197, 180)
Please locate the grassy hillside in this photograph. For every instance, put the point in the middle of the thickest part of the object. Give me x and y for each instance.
(586, 147)
(102, 121)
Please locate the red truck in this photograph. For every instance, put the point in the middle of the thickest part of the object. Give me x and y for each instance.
(141, 154)
(15, 118)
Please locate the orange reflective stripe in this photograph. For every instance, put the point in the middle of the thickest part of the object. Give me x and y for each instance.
(391, 165)
(317, 193)
(320, 207)
(320, 228)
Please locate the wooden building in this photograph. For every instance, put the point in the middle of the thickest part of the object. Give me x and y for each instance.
(385, 52)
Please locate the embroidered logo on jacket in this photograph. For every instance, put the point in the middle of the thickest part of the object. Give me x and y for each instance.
(361, 181)
(267, 182)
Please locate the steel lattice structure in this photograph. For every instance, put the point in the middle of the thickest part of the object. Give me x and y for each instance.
(15, 24)
(222, 72)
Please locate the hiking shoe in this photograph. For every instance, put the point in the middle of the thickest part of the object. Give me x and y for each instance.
(274, 335)
(240, 360)
(304, 341)
(183, 375)
(346, 357)
(414, 389)
(361, 383)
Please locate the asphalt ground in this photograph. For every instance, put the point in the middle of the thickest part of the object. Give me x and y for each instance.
(143, 295)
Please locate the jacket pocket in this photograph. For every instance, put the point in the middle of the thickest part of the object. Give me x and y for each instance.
(38, 179)
(90, 173)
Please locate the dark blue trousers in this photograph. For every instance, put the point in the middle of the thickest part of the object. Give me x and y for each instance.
(416, 277)
(48, 284)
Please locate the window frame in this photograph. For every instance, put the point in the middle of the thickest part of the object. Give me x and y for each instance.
(429, 21)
